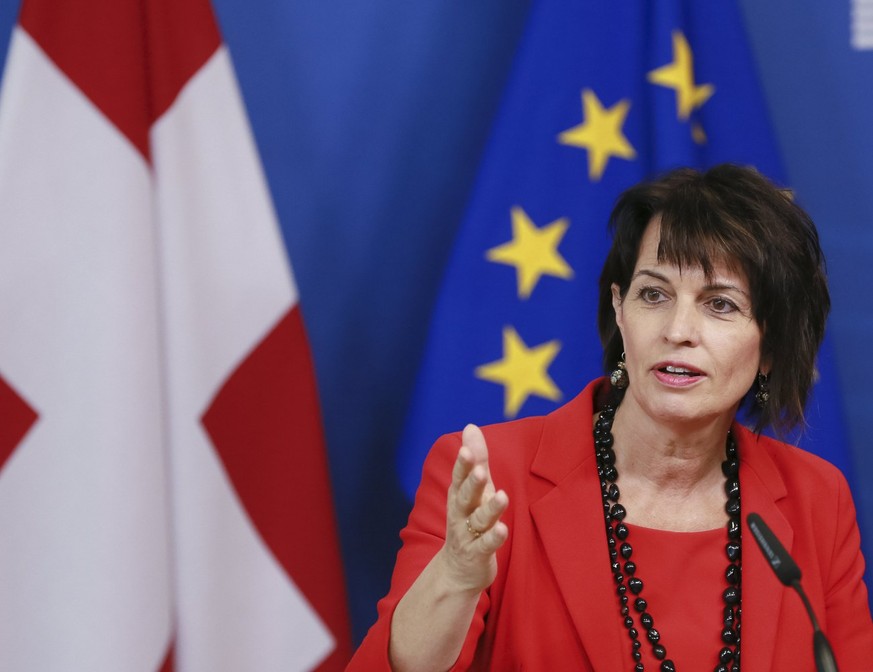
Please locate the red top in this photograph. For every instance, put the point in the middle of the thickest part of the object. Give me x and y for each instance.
(683, 575)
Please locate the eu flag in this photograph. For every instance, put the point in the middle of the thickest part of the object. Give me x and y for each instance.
(602, 95)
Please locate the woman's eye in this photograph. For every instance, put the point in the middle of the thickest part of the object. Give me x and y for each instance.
(651, 295)
(722, 305)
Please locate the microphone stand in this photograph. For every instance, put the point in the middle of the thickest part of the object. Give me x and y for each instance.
(824, 655)
(788, 573)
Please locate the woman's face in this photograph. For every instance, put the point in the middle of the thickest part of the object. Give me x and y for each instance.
(692, 346)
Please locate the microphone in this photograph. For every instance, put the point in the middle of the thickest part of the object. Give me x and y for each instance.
(788, 573)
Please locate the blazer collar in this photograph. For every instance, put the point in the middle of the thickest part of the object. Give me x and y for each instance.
(565, 457)
(761, 488)
(569, 520)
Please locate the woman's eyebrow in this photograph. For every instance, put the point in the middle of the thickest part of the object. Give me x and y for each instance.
(651, 274)
(722, 286)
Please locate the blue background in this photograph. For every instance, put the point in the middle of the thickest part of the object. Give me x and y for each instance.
(371, 118)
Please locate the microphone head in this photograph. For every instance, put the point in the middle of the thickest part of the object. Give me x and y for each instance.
(783, 565)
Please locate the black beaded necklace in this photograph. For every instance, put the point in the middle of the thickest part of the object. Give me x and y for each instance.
(620, 553)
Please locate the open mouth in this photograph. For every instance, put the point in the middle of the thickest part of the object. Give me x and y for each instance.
(679, 371)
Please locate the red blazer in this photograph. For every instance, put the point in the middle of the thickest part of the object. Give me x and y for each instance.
(552, 605)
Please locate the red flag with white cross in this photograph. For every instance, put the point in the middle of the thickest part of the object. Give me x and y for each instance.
(164, 496)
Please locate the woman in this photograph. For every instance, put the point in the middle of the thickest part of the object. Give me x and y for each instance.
(617, 538)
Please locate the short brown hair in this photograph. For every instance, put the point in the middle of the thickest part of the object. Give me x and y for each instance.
(733, 215)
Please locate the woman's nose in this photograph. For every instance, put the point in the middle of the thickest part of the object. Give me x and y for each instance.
(683, 323)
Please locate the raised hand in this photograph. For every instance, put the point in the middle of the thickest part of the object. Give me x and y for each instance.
(474, 530)
(432, 619)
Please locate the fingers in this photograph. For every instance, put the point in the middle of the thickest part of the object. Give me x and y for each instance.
(473, 438)
(474, 506)
(471, 492)
(474, 531)
(470, 476)
(463, 466)
(485, 517)
(473, 451)
(494, 538)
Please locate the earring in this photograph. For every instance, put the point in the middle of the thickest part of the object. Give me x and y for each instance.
(619, 378)
(762, 394)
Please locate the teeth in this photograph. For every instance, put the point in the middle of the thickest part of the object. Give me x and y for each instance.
(676, 369)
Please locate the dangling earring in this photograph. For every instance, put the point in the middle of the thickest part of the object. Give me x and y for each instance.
(619, 378)
(762, 394)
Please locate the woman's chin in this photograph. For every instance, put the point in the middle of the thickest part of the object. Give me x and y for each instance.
(682, 407)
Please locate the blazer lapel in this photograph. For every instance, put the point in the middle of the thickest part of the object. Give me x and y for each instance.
(569, 520)
(762, 593)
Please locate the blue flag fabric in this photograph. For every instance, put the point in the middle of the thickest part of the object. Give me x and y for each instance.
(601, 96)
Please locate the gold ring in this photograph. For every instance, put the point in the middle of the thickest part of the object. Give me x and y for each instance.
(472, 530)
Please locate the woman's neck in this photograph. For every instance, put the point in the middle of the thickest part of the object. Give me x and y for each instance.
(670, 476)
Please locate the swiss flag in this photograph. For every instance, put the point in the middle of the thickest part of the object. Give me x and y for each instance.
(164, 499)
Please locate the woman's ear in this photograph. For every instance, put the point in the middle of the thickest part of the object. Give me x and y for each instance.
(617, 305)
(766, 365)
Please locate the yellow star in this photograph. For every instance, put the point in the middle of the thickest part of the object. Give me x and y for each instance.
(600, 133)
(523, 370)
(533, 251)
(679, 75)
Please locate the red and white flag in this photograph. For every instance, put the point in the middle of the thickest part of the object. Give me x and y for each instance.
(164, 500)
